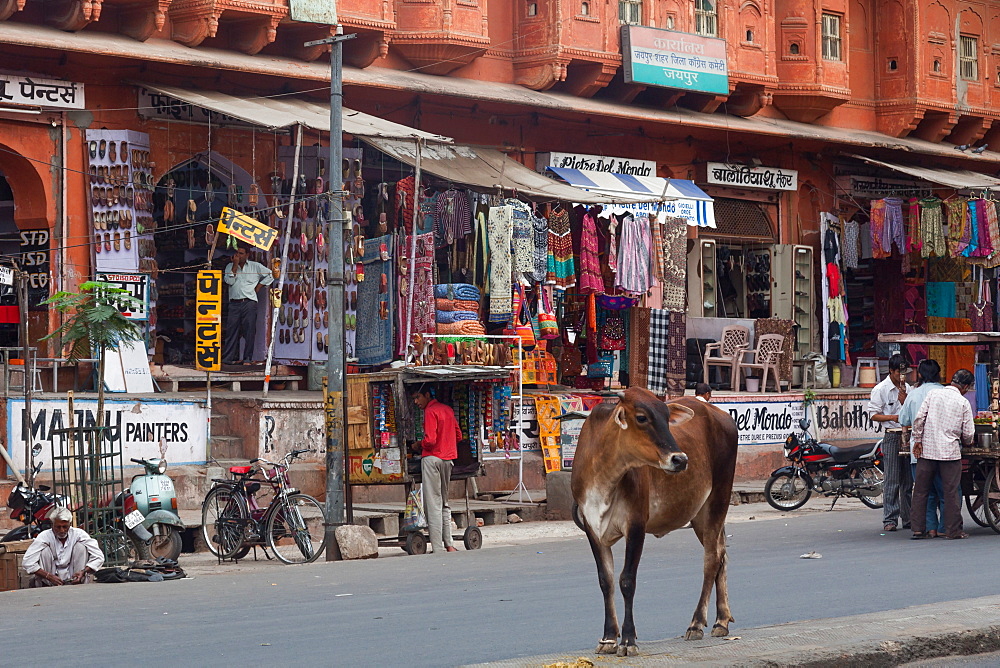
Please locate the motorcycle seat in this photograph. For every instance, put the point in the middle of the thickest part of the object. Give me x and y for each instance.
(844, 454)
(240, 470)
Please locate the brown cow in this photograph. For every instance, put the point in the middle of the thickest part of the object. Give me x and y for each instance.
(645, 466)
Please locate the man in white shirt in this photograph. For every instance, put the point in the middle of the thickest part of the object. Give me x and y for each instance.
(63, 554)
(244, 278)
(703, 392)
(886, 400)
(942, 426)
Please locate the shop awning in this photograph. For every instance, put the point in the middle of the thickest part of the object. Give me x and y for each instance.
(285, 112)
(953, 178)
(674, 197)
(489, 169)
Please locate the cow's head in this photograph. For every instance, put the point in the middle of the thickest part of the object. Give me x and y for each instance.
(645, 422)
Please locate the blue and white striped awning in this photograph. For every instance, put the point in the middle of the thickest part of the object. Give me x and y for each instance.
(673, 197)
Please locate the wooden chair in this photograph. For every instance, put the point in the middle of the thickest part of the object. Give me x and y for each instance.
(728, 352)
(766, 358)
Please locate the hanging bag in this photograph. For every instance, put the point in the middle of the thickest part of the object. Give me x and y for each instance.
(546, 317)
(413, 515)
(613, 333)
(522, 325)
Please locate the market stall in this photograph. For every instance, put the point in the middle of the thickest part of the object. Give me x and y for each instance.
(981, 460)
(383, 423)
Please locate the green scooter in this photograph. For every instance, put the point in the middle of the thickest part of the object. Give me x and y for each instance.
(157, 502)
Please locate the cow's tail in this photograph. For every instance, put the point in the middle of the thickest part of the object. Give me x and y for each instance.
(576, 517)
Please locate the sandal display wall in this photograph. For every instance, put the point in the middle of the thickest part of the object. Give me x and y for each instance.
(121, 187)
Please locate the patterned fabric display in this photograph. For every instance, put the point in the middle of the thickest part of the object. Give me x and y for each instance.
(674, 232)
(639, 345)
(524, 239)
(561, 269)
(658, 356)
(635, 274)
(501, 227)
(931, 232)
(373, 343)
(590, 266)
(422, 316)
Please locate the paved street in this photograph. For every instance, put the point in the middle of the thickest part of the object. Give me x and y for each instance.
(493, 604)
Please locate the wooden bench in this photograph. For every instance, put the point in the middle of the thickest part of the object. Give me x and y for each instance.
(234, 379)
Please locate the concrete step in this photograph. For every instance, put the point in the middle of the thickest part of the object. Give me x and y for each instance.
(220, 423)
(226, 447)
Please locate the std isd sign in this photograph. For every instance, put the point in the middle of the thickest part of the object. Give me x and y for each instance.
(672, 59)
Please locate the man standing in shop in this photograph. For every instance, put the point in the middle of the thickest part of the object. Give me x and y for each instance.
(244, 278)
(886, 400)
(439, 450)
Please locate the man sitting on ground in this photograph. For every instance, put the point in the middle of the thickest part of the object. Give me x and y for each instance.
(63, 554)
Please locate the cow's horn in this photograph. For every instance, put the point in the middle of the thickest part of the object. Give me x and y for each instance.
(619, 420)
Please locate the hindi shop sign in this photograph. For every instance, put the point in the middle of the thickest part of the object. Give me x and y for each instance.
(596, 163)
(35, 92)
(208, 320)
(672, 59)
(173, 430)
(245, 228)
(765, 178)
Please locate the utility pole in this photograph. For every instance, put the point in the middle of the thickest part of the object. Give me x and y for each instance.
(335, 398)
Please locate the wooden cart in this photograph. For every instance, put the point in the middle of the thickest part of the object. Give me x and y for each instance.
(378, 455)
(980, 466)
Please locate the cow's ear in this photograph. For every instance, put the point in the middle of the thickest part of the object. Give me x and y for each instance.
(619, 417)
(679, 414)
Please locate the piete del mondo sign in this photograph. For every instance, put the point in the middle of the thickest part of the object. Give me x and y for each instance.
(762, 422)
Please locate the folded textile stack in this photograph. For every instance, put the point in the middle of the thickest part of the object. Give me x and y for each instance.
(457, 291)
(456, 304)
(460, 328)
(444, 317)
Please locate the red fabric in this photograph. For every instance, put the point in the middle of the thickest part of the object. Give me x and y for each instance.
(833, 274)
(9, 314)
(441, 432)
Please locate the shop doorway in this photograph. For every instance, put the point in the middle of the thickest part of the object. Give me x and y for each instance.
(10, 245)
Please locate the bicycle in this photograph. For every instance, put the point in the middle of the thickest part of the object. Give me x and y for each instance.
(292, 525)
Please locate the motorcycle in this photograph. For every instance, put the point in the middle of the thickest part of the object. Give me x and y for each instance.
(32, 505)
(156, 503)
(826, 469)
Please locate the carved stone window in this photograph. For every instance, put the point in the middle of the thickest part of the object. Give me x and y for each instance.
(671, 21)
(892, 65)
(532, 9)
(584, 9)
(831, 37)
(968, 57)
(749, 38)
(793, 48)
(706, 18)
(630, 12)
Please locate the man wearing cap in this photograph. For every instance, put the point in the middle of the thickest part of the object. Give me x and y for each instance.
(886, 401)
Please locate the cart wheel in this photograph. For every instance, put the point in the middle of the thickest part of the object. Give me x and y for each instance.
(991, 500)
(416, 543)
(473, 538)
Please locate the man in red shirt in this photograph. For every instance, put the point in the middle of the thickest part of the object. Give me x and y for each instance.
(439, 451)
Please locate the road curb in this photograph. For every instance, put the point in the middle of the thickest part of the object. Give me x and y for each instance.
(887, 638)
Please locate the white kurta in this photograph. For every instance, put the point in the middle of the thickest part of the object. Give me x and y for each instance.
(63, 558)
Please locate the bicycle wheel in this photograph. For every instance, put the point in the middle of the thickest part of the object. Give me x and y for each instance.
(224, 520)
(295, 529)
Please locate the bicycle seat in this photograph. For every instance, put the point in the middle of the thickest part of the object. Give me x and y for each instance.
(240, 470)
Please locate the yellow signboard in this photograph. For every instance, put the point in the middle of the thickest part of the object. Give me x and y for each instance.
(246, 228)
(208, 321)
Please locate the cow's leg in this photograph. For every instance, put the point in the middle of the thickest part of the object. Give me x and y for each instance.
(634, 540)
(605, 576)
(709, 528)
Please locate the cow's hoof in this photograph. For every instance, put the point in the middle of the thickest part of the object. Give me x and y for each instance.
(719, 631)
(694, 633)
(628, 650)
(607, 647)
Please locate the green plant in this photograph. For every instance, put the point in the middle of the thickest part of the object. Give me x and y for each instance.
(808, 397)
(95, 323)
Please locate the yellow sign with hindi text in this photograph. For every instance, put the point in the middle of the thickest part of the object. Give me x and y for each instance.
(246, 228)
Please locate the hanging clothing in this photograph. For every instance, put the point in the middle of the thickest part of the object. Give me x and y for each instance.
(540, 228)
(877, 228)
(912, 225)
(454, 217)
(894, 230)
(523, 240)
(931, 231)
(404, 202)
(674, 258)
(613, 242)
(501, 226)
(561, 270)
(984, 243)
(421, 316)
(849, 250)
(635, 273)
(993, 231)
(956, 208)
(590, 266)
(970, 237)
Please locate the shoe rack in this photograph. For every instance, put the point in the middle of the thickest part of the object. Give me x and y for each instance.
(702, 280)
(757, 267)
(794, 291)
(121, 196)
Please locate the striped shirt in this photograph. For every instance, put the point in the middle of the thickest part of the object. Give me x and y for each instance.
(943, 423)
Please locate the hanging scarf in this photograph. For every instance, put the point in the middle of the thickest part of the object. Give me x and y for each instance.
(501, 226)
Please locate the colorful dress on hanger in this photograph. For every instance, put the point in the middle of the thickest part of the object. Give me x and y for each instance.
(454, 217)
(931, 228)
(635, 273)
(912, 225)
(590, 266)
(877, 227)
(524, 240)
(984, 244)
(894, 230)
(561, 270)
(957, 209)
(970, 237)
